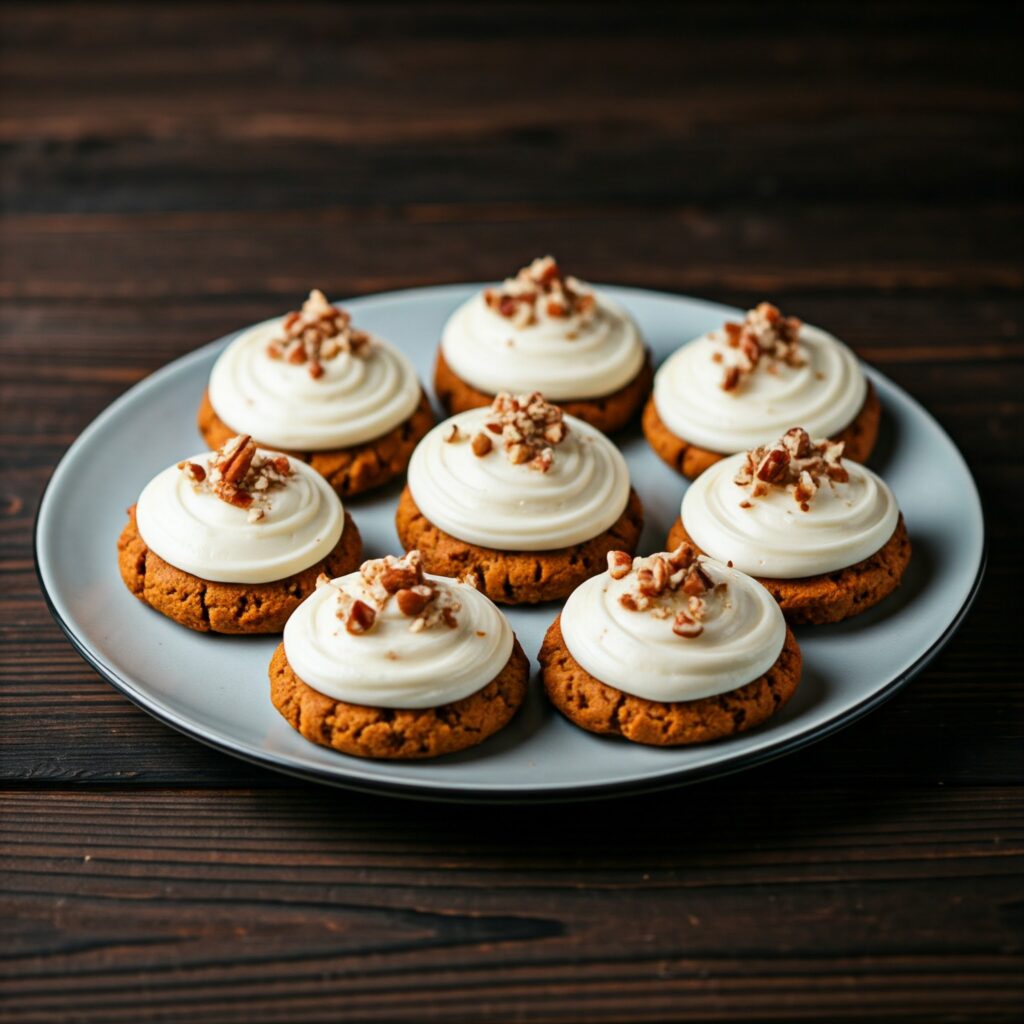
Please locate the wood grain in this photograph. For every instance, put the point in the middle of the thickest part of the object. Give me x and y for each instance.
(170, 172)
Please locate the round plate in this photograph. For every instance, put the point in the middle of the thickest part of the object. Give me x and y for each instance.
(215, 688)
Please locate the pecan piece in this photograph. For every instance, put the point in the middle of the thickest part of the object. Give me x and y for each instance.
(619, 564)
(238, 460)
(360, 617)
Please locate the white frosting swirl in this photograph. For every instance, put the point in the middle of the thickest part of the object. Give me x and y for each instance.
(638, 653)
(358, 398)
(389, 666)
(568, 358)
(489, 501)
(823, 396)
(196, 532)
(773, 538)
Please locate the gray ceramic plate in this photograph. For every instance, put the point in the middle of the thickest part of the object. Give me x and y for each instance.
(215, 689)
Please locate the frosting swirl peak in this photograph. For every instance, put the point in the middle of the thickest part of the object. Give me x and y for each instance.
(733, 387)
(312, 384)
(789, 510)
(391, 663)
(479, 495)
(672, 627)
(542, 331)
(238, 535)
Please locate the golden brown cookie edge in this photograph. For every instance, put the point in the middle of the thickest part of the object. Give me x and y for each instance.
(349, 471)
(600, 708)
(833, 596)
(516, 577)
(207, 606)
(608, 414)
(399, 734)
(691, 460)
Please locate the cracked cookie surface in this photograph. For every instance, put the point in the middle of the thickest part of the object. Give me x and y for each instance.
(690, 460)
(399, 734)
(838, 595)
(517, 577)
(600, 708)
(609, 413)
(207, 606)
(348, 470)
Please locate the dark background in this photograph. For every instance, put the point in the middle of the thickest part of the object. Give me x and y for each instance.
(172, 172)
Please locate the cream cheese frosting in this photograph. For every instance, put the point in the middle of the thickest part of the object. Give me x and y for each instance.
(824, 395)
(638, 652)
(772, 537)
(581, 356)
(494, 503)
(357, 398)
(391, 665)
(199, 533)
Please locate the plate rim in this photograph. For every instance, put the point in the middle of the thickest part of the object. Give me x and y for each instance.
(458, 793)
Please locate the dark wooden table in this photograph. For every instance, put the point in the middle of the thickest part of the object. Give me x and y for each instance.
(172, 172)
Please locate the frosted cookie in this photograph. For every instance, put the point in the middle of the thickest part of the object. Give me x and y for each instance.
(823, 534)
(669, 650)
(730, 389)
(541, 331)
(523, 498)
(389, 662)
(232, 541)
(312, 385)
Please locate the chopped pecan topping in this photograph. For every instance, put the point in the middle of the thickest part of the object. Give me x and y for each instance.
(765, 338)
(530, 429)
(317, 333)
(240, 474)
(540, 291)
(796, 462)
(416, 597)
(658, 583)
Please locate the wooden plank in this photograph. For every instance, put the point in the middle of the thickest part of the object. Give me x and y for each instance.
(748, 253)
(313, 903)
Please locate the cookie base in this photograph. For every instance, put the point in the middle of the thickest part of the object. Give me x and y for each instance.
(516, 577)
(600, 708)
(349, 471)
(609, 413)
(210, 607)
(838, 595)
(690, 460)
(399, 734)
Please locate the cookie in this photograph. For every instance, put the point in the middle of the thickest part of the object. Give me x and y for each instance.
(600, 708)
(838, 595)
(207, 606)
(609, 413)
(394, 733)
(349, 470)
(690, 460)
(516, 577)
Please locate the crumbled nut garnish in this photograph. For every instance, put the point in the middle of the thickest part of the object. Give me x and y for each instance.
(795, 462)
(193, 471)
(765, 338)
(529, 427)
(657, 582)
(416, 597)
(240, 474)
(540, 291)
(452, 434)
(620, 563)
(317, 333)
